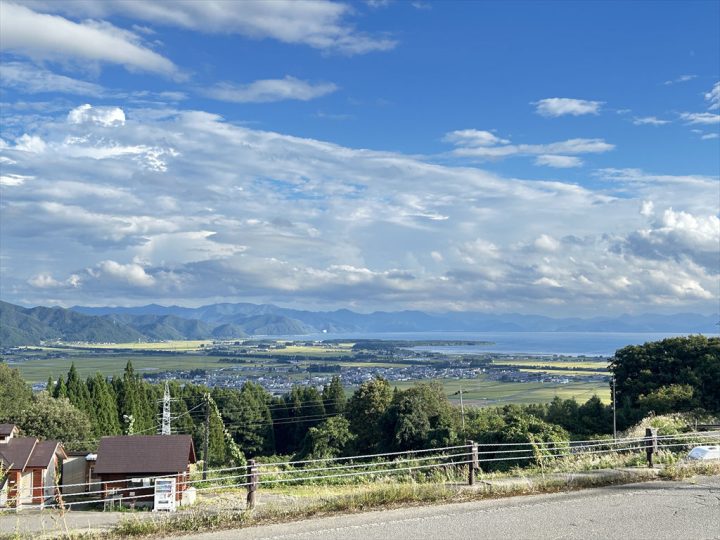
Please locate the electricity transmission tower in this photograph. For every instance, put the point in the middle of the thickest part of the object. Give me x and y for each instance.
(165, 425)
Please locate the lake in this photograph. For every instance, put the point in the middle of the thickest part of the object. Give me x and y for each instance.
(566, 343)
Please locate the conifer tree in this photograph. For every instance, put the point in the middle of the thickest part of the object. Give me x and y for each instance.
(333, 396)
(103, 402)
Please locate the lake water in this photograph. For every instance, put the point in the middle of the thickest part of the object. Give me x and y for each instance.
(565, 343)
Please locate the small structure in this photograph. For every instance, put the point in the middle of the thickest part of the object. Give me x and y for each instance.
(30, 468)
(78, 473)
(127, 466)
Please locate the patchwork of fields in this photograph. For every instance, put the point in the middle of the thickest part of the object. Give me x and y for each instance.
(566, 377)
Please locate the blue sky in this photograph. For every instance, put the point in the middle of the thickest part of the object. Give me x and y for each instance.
(541, 157)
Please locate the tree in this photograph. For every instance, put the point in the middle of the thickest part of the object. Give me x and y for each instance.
(513, 424)
(326, 440)
(594, 417)
(298, 411)
(15, 394)
(103, 403)
(670, 398)
(57, 419)
(333, 396)
(136, 400)
(419, 417)
(644, 369)
(364, 409)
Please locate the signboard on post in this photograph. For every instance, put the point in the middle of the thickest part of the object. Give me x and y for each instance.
(165, 490)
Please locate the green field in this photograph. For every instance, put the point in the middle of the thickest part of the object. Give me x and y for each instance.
(39, 369)
(36, 367)
(480, 392)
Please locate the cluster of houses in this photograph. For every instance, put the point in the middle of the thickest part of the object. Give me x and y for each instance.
(125, 469)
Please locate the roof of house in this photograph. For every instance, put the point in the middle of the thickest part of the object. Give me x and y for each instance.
(15, 453)
(19, 453)
(6, 429)
(43, 452)
(142, 454)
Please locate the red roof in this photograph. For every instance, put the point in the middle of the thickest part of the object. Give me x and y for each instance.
(15, 453)
(145, 454)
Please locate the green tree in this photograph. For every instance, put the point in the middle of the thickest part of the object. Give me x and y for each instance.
(420, 417)
(326, 440)
(15, 394)
(670, 398)
(333, 396)
(134, 400)
(56, 419)
(364, 410)
(641, 370)
(513, 424)
(78, 393)
(103, 403)
(594, 417)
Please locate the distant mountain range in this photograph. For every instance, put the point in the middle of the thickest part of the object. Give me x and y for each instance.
(28, 326)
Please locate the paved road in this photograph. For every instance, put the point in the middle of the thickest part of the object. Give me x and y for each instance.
(653, 510)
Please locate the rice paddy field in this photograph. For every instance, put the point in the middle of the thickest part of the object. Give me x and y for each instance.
(480, 392)
(37, 364)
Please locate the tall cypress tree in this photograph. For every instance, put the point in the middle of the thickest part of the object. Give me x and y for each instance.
(104, 403)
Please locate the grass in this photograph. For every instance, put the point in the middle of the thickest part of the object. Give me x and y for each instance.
(482, 392)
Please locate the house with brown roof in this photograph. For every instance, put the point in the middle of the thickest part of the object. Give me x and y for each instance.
(29, 468)
(126, 466)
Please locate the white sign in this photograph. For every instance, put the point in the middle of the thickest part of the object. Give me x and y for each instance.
(165, 494)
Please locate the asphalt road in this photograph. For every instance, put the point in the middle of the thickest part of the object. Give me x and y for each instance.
(652, 510)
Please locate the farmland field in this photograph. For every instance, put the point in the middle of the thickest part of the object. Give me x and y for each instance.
(481, 392)
(570, 377)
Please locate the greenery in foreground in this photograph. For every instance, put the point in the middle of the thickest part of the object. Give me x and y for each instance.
(672, 375)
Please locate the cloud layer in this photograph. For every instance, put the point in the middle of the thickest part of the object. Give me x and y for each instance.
(181, 206)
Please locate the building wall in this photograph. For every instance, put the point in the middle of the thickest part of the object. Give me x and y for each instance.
(74, 471)
(26, 487)
(51, 478)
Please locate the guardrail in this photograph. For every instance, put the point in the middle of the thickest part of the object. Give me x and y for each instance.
(471, 456)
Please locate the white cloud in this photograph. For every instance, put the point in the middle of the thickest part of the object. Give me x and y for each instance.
(647, 209)
(474, 137)
(554, 107)
(13, 179)
(102, 116)
(709, 136)
(545, 242)
(649, 121)
(680, 79)
(561, 162)
(483, 144)
(713, 96)
(334, 226)
(132, 273)
(30, 143)
(269, 90)
(704, 118)
(320, 24)
(51, 37)
(35, 80)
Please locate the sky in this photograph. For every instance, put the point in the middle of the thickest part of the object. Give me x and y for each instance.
(557, 158)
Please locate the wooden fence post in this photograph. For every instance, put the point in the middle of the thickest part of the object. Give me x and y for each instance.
(651, 444)
(474, 463)
(252, 484)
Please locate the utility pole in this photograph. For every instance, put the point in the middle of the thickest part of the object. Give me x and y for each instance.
(206, 440)
(462, 409)
(614, 411)
(165, 424)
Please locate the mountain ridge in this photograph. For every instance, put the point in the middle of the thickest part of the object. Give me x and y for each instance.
(30, 326)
